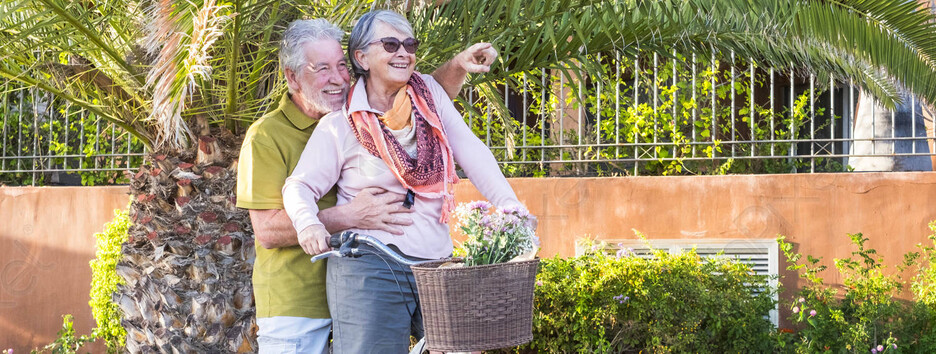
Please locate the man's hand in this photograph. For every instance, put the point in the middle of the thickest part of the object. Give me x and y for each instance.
(477, 58)
(377, 209)
(314, 239)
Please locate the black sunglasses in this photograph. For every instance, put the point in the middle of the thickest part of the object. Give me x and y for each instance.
(391, 44)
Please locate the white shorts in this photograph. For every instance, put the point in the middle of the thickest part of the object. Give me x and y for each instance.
(287, 335)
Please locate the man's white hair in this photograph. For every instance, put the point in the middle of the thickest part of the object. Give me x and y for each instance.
(299, 32)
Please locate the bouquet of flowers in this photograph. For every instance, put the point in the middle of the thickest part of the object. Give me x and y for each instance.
(496, 235)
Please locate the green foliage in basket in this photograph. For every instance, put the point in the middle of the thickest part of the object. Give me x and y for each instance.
(863, 313)
(495, 235)
(613, 303)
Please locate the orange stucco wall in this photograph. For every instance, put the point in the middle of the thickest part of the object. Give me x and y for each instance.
(814, 211)
(46, 233)
(46, 242)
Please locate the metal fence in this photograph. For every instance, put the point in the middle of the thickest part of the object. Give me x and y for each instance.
(46, 141)
(650, 115)
(690, 115)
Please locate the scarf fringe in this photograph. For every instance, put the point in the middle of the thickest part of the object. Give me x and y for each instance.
(448, 207)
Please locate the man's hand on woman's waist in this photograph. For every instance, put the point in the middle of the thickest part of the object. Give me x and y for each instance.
(375, 209)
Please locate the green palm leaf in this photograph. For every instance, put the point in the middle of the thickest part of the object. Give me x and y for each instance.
(882, 46)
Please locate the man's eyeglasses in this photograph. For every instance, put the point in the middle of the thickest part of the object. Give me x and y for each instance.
(391, 44)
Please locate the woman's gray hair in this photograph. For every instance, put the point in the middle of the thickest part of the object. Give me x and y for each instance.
(299, 32)
(364, 32)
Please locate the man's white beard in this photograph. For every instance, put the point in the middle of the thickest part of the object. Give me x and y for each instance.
(319, 104)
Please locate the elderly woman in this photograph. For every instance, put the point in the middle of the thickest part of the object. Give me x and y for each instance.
(398, 131)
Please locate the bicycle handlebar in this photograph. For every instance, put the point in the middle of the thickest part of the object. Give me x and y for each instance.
(339, 238)
(347, 242)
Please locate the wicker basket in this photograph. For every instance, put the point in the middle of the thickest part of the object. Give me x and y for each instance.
(477, 308)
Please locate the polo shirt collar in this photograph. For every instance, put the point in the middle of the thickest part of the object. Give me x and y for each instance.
(298, 119)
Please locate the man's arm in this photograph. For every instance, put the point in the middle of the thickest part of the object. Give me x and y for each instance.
(272, 228)
(475, 59)
(372, 208)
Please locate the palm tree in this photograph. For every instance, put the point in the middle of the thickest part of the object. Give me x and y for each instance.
(184, 78)
(187, 77)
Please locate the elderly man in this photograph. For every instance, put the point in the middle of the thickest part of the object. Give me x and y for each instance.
(290, 290)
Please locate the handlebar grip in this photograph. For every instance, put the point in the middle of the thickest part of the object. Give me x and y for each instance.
(337, 239)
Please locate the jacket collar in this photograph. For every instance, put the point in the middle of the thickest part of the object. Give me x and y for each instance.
(359, 99)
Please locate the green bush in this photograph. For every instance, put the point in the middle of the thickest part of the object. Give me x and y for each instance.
(104, 280)
(67, 342)
(863, 313)
(671, 303)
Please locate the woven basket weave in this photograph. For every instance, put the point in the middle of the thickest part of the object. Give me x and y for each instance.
(476, 308)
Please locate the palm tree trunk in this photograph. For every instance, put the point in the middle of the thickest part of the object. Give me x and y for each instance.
(187, 263)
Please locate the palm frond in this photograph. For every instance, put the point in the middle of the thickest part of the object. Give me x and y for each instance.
(878, 44)
(227, 70)
(186, 36)
(97, 108)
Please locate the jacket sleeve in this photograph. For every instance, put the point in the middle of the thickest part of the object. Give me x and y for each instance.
(470, 153)
(317, 171)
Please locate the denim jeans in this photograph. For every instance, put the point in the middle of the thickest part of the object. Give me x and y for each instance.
(374, 309)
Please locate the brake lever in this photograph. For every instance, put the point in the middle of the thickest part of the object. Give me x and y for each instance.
(349, 250)
(324, 255)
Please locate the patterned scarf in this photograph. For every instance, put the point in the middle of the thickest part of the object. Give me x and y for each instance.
(432, 173)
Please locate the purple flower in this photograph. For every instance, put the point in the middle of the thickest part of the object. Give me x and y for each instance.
(802, 300)
(539, 283)
(509, 209)
(795, 309)
(873, 351)
(485, 221)
(479, 205)
(894, 346)
(880, 348)
(812, 313)
(622, 252)
(515, 210)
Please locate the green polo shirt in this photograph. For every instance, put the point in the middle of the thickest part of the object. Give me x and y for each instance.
(285, 282)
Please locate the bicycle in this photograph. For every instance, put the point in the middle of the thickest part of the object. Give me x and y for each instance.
(345, 244)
